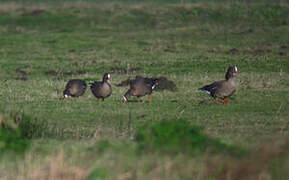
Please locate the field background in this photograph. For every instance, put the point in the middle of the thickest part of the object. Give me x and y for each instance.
(44, 44)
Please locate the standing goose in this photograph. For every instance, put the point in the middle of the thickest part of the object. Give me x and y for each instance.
(101, 89)
(75, 88)
(140, 87)
(221, 90)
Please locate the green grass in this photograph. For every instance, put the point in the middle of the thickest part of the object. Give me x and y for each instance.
(43, 45)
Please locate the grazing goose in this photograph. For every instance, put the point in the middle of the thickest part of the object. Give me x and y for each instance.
(74, 88)
(101, 89)
(140, 87)
(221, 90)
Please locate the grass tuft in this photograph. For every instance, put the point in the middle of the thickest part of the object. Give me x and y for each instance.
(12, 136)
(179, 136)
(98, 173)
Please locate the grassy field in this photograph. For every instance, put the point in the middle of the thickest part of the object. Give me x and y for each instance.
(43, 45)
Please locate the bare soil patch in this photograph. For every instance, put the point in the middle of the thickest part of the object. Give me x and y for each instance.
(34, 12)
(284, 47)
(64, 73)
(233, 51)
(282, 53)
(247, 31)
(125, 70)
(257, 51)
(21, 74)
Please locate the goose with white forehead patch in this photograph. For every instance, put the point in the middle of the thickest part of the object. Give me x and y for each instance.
(102, 89)
(221, 90)
(140, 87)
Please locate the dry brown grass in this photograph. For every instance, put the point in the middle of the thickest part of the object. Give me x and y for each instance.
(52, 167)
(13, 7)
(259, 164)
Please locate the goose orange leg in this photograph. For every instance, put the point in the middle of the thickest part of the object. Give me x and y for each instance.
(225, 101)
(138, 99)
(98, 100)
(218, 100)
(150, 98)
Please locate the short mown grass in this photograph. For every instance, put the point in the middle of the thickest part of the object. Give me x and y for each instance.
(43, 45)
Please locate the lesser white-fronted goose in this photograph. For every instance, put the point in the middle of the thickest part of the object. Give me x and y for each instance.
(221, 90)
(140, 87)
(102, 89)
(74, 88)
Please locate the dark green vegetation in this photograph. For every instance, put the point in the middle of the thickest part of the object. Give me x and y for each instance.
(179, 136)
(42, 46)
(12, 136)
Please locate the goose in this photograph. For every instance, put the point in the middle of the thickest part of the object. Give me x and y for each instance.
(74, 88)
(140, 87)
(101, 89)
(221, 90)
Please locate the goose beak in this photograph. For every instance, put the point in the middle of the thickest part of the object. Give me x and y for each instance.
(236, 69)
(236, 73)
(124, 100)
